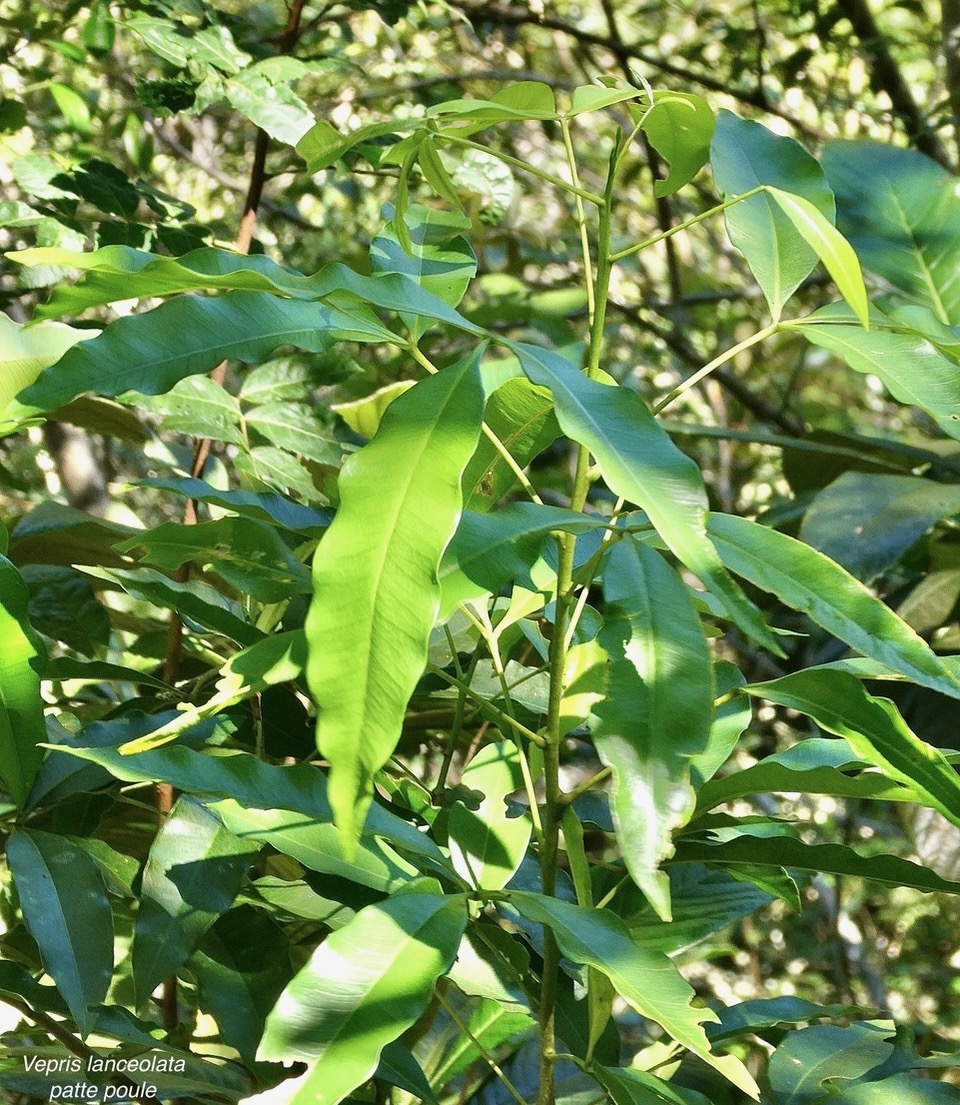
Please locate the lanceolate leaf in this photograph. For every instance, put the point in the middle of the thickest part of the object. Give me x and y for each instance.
(873, 728)
(830, 246)
(65, 909)
(192, 875)
(376, 594)
(744, 156)
(116, 272)
(912, 367)
(362, 987)
(300, 788)
(149, 353)
(657, 709)
(806, 580)
(22, 727)
(645, 979)
(837, 859)
(640, 462)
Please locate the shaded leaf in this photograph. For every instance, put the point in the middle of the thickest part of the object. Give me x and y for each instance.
(805, 580)
(680, 127)
(191, 876)
(65, 909)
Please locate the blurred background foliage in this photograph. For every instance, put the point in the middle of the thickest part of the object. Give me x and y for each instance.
(141, 123)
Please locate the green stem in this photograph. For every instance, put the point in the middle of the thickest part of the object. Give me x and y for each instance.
(549, 178)
(686, 224)
(487, 1057)
(486, 705)
(728, 355)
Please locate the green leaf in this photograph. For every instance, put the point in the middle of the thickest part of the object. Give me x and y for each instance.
(906, 1089)
(491, 1024)
(208, 46)
(25, 351)
(831, 247)
(901, 212)
(806, 580)
(873, 728)
(272, 106)
(647, 980)
(814, 766)
(399, 1067)
(323, 145)
(297, 428)
(200, 407)
(523, 100)
(113, 272)
(53, 533)
(363, 415)
(363, 986)
(318, 845)
(275, 509)
(442, 260)
(300, 788)
(835, 859)
(641, 463)
(657, 709)
(72, 106)
(704, 902)
(248, 555)
(628, 1086)
(241, 966)
(912, 368)
(276, 659)
(591, 97)
(867, 521)
(745, 155)
(489, 551)
(191, 876)
(730, 720)
(66, 911)
(189, 336)
(759, 1014)
(22, 727)
(679, 127)
(486, 844)
(802, 1063)
(268, 467)
(521, 415)
(63, 606)
(376, 594)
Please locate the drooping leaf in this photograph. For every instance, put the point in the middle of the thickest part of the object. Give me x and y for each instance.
(837, 859)
(271, 105)
(867, 521)
(188, 336)
(641, 463)
(628, 1086)
(486, 844)
(912, 368)
(901, 212)
(656, 711)
(805, 580)
(647, 980)
(191, 876)
(680, 127)
(362, 987)
(262, 507)
(758, 1014)
(874, 729)
(297, 428)
(745, 155)
(300, 788)
(491, 1024)
(376, 595)
(814, 766)
(65, 909)
(836, 253)
(200, 407)
(63, 606)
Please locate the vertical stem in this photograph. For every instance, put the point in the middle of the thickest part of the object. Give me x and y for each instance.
(566, 600)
